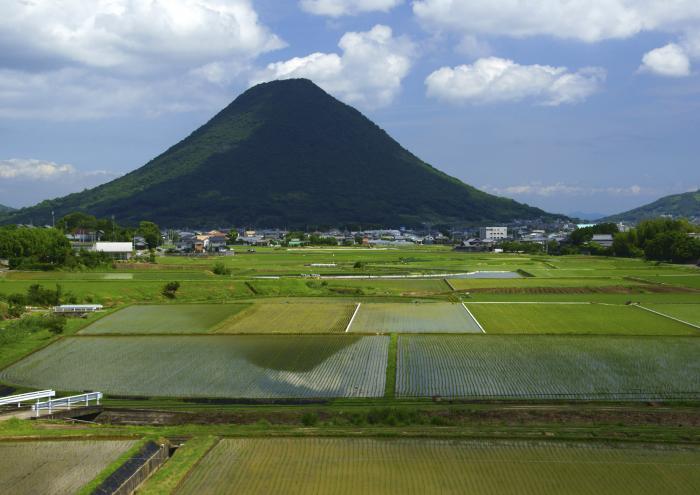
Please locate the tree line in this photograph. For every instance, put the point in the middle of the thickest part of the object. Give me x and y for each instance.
(39, 248)
(659, 239)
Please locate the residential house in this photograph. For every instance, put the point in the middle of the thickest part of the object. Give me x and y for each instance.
(605, 240)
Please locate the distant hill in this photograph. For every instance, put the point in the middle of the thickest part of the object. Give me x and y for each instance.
(585, 215)
(5, 209)
(685, 205)
(286, 154)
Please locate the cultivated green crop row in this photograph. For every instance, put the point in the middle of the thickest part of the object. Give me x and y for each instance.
(210, 366)
(55, 467)
(349, 466)
(548, 367)
(311, 366)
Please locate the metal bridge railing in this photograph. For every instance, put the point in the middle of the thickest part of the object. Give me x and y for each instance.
(23, 398)
(67, 402)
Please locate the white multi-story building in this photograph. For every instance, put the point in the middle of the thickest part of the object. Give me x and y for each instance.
(493, 233)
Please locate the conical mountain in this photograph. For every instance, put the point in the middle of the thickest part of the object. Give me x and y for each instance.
(286, 153)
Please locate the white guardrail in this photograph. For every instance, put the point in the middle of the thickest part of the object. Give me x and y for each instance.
(82, 399)
(22, 398)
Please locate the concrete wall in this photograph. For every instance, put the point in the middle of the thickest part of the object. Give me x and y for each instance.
(135, 471)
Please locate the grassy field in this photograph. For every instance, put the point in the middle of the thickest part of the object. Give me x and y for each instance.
(685, 312)
(143, 275)
(574, 319)
(688, 280)
(405, 466)
(231, 366)
(290, 318)
(480, 283)
(29, 342)
(55, 467)
(115, 292)
(413, 318)
(170, 318)
(387, 287)
(548, 367)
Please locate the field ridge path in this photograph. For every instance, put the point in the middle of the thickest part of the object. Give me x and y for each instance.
(668, 316)
(473, 318)
(357, 308)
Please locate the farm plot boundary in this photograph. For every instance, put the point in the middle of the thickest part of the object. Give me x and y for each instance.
(662, 310)
(413, 318)
(264, 317)
(140, 319)
(573, 318)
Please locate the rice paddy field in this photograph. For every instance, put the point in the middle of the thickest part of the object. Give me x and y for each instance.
(548, 367)
(573, 318)
(413, 318)
(472, 283)
(323, 317)
(235, 366)
(387, 287)
(55, 467)
(685, 312)
(120, 292)
(164, 319)
(684, 280)
(429, 466)
(369, 374)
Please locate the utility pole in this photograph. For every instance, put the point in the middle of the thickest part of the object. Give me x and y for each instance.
(53, 220)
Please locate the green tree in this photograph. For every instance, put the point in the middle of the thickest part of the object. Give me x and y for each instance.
(151, 234)
(232, 236)
(39, 296)
(649, 229)
(583, 235)
(33, 245)
(317, 240)
(673, 246)
(76, 220)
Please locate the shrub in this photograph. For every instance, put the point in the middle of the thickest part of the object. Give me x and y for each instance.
(39, 296)
(309, 419)
(170, 289)
(221, 269)
(55, 324)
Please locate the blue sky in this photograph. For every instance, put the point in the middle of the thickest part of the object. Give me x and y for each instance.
(573, 106)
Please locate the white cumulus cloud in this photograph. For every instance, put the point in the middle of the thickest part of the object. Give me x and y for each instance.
(368, 72)
(21, 168)
(670, 60)
(338, 8)
(134, 35)
(586, 20)
(496, 79)
(72, 59)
